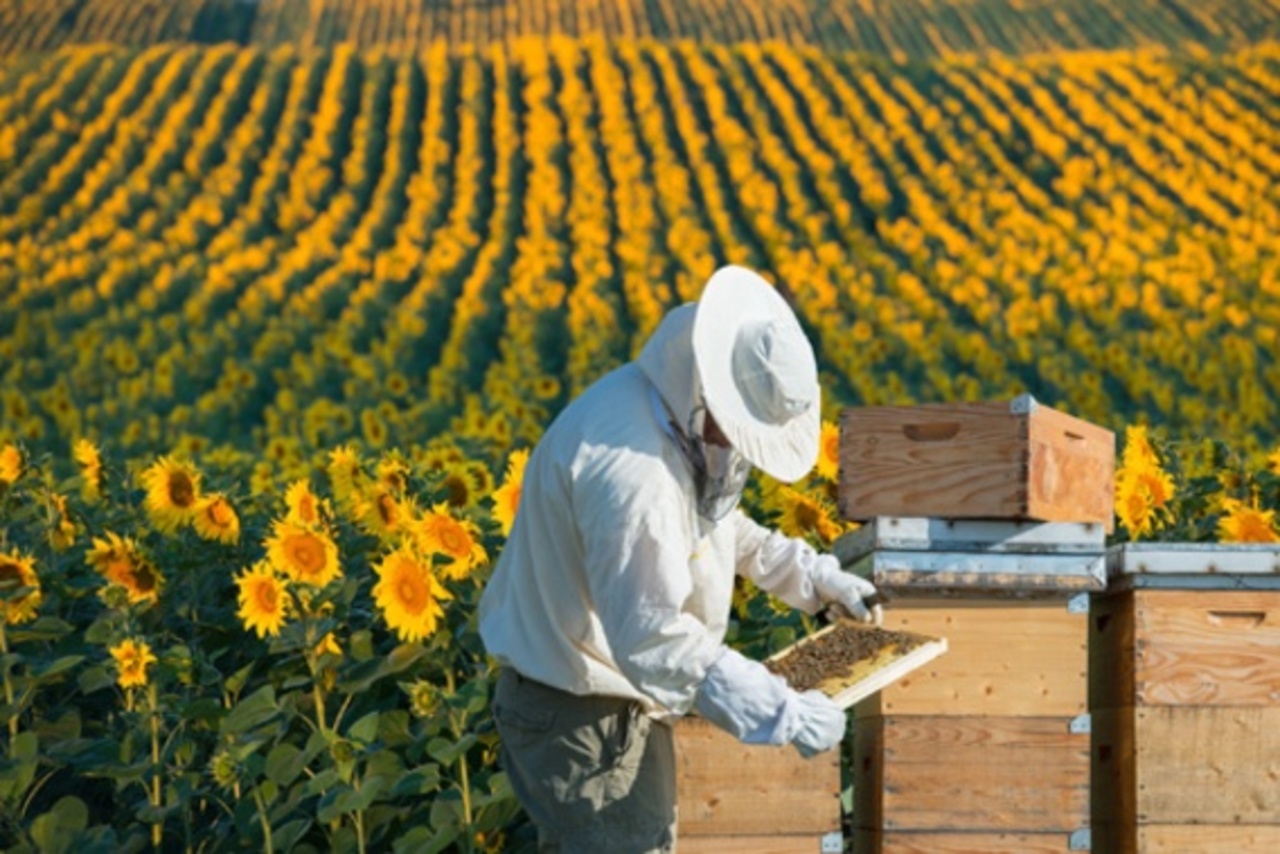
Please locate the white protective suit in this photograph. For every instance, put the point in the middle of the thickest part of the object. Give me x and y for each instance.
(612, 584)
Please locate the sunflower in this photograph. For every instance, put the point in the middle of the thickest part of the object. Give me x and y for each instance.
(393, 473)
(829, 452)
(397, 385)
(215, 519)
(802, 515)
(545, 387)
(132, 658)
(465, 483)
(345, 474)
(1134, 506)
(382, 514)
(1246, 523)
(441, 454)
(456, 539)
(173, 490)
(62, 534)
(18, 572)
(303, 554)
(409, 594)
(304, 507)
(264, 600)
(122, 563)
(1273, 461)
(1138, 450)
(373, 428)
(506, 498)
(12, 464)
(90, 461)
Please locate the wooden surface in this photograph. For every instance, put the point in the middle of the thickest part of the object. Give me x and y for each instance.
(1003, 658)
(901, 842)
(970, 774)
(1187, 765)
(1208, 839)
(974, 460)
(1072, 469)
(724, 787)
(803, 844)
(1175, 647)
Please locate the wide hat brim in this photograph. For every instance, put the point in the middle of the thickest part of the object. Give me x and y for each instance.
(734, 298)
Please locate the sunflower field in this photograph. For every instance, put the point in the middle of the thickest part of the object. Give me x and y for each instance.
(289, 290)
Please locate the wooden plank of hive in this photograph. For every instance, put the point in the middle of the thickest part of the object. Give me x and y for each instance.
(725, 787)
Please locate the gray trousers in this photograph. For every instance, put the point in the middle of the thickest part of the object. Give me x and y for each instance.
(594, 773)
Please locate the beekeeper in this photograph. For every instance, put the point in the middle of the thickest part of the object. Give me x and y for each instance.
(608, 607)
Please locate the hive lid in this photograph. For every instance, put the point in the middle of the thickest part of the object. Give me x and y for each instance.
(886, 657)
(919, 533)
(1206, 566)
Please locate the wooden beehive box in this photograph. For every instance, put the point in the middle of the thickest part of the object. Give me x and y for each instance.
(751, 798)
(1185, 696)
(985, 749)
(1018, 460)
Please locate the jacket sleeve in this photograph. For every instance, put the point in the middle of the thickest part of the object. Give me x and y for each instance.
(634, 522)
(783, 566)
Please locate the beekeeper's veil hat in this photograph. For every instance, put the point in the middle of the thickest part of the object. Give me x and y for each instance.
(758, 374)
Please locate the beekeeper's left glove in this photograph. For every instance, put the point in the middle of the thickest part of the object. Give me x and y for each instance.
(845, 591)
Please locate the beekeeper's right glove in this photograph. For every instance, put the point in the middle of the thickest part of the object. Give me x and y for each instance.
(755, 706)
(821, 724)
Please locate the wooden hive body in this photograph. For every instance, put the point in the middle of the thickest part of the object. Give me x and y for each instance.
(1017, 461)
(987, 747)
(1185, 693)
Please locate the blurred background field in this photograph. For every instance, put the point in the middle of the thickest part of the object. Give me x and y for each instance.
(287, 290)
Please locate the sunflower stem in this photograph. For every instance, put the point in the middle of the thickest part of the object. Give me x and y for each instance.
(464, 782)
(157, 829)
(8, 685)
(267, 846)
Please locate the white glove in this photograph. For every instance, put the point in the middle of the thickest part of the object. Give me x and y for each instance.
(821, 724)
(745, 699)
(845, 591)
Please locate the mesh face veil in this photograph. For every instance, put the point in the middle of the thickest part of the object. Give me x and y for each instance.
(719, 473)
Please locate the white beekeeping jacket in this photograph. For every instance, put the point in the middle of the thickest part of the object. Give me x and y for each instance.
(610, 582)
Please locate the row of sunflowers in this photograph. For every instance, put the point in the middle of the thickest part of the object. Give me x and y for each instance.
(326, 245)
(208, 662)
(916, 28)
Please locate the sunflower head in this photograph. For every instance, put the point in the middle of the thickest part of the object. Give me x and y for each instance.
(1244, 522)
(122, 564)
(465, 483)
(382, 514)
(265, 603)
(215, 519)
(393, 473)
(173, 491)
(132, 660)
(306, 555)
(90, 461)
(345, 474)
(12, 464)
(409, 594)
(440, 532)
(18, 573)
(506, 498)
(828, 464)
(303, 506)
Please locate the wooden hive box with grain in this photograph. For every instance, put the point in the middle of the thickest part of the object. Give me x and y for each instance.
(753, 799)
(1016, 460)
(985, 749)
(1185, 696)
